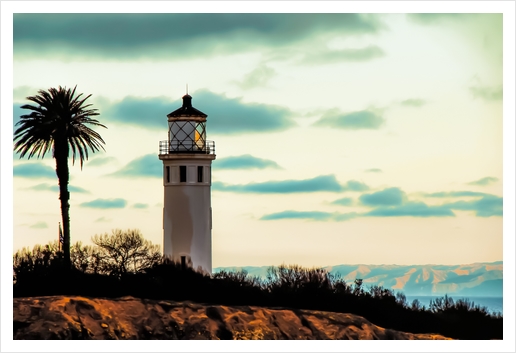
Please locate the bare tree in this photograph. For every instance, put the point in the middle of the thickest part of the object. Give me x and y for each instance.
(125, 252)
(84, 258)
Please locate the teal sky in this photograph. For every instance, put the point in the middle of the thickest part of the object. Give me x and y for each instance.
(340, 138)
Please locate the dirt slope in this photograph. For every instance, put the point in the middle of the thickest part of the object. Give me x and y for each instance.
(61, 317)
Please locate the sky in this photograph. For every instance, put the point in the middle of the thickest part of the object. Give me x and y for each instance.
(340, 137)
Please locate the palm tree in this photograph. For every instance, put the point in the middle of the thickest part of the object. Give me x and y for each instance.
(58, 122)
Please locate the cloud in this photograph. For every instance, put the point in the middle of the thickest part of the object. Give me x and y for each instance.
(259, 77)
(363, 119)
(55, 188)
(140, 205)
(345, 201)
(487, 206)
(320, 183)
(386, 197)
(413, 209)
(373, 170)
(393, 202)
(245, 161)
(484, 181)
(145, 166)
(487, 93)
(436, 18)
(33, 171)
(103, 219)
(410, 209)
(39, 225)
(163, 36)
(309, 215)
(344, 55)
(353, 185)
(150, 112)
(231, 116)
(414, 102)
(105, 203)
(98, 161)
(457, 194)
(226, 116)
(21, 93)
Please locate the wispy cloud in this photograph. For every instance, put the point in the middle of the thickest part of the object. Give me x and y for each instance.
(226, 116)
(487, 206)
(34, 170)
(55, 188)
(105, 203)
(373, 170)
(98, 161)
(320, 183)
(145, 166)
(345, 201)
(413, 102)
(363, 119)
(259, 77)
(386, 197)
(487, 93)
(39, 225)
(245, 161)
(436, 18)
(149, 112)
(353, 185)
(484, 181)
(103, 220)
(309, 215)
(345, 55)
(140, 205)
(162, 36)
(457, 194)
(412, 209)
(393, 202)
(21, 93)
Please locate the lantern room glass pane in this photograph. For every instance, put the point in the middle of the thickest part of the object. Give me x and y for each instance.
(187, 136)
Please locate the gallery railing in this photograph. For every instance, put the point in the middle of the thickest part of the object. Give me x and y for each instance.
(187, 146)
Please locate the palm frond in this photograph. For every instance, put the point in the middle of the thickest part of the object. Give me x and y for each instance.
(59, 114)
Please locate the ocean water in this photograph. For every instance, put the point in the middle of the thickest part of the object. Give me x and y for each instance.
(493, 304)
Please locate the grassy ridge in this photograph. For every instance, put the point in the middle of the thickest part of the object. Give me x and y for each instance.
(41, 272)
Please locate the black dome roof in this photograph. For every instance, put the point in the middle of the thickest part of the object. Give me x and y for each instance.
(186, 109)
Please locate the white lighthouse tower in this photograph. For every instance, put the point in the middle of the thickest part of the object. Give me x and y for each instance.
(187, 157)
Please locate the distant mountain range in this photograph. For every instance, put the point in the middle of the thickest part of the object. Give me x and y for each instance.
(478, 279)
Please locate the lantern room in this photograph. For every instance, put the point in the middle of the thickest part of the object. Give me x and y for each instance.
(187, 131)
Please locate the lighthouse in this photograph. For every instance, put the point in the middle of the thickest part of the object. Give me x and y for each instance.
(187, 157)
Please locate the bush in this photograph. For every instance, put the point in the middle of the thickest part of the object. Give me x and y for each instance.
(124, 263)
(124, 252)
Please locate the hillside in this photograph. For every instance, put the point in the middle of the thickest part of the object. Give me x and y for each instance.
(61, 317)
(478, 279)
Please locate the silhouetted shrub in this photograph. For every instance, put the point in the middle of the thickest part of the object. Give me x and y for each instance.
(125, 264)
(439, 305)
(124, 252)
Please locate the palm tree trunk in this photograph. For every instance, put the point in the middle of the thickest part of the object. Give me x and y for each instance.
(63, 176)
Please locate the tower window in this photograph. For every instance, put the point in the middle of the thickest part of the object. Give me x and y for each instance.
(168, 174)
(199, 174)
(182, 173)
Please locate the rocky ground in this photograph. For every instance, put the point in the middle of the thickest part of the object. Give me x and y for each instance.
(61, 317)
